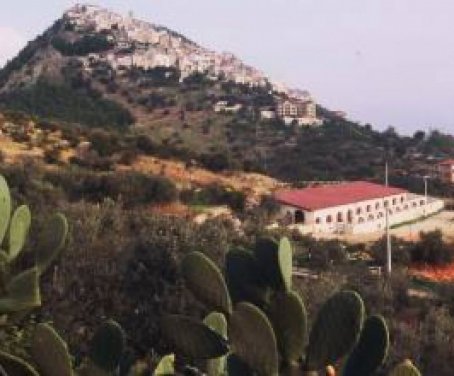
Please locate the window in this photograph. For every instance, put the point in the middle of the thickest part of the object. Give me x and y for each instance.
(386, 203)
(377, 205)
(329, 219)
(394, 201)
(402, 199)
(358, 211)
(318, 220)
(340, 217)
(421, 202)
(371, 217)
(360, 220)
(368, 208)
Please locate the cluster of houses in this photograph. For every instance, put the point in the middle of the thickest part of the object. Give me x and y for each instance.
(446, 171)
(297, 111)
(142, 44)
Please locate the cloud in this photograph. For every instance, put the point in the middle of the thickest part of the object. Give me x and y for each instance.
(11, 42)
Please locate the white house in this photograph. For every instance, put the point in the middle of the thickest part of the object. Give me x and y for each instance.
(352, 208)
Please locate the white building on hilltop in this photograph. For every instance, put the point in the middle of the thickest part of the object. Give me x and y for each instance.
(352, 208)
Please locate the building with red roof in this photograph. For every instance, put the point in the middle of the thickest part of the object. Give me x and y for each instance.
(353, 207)
(446, 171)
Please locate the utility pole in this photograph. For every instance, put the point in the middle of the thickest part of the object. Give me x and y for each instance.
(425, 177)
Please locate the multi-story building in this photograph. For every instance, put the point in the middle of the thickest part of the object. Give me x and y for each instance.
(299, 111)
(354, 207)
(446, 171)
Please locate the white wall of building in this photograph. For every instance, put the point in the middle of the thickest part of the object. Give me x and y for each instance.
(365, 216)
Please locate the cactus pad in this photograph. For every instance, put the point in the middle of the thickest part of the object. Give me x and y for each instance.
(275, 262)
(192, 338)
(50, 352)
(236, 367)
(51, 242)
(166, 366)
(406, 368)
(107, 346)
(15, 366)
(22, 292)
(217, 322)
(18, 230)
(371, 349)
(206, 282)
(336, 330)
(289, 318)
(243, 278)
(5, 207)
(253, 339)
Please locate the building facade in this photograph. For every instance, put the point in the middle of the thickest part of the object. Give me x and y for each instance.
(352, 208)
(303, 112)
(446, 171)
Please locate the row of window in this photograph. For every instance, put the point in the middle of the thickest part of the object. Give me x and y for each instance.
(371, 217)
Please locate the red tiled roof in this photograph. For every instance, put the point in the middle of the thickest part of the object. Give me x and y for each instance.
(335, 195)
(447, 162)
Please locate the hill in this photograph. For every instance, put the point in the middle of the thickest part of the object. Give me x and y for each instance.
(156, 92)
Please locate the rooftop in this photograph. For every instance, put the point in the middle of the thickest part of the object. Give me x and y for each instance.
(327, 196)
(447, 162)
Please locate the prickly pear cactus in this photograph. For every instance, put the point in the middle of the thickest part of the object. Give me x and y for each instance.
(236, 367)
(275, 262)
(51, 241)
(217, 322)
(243, 278)
(166, 366)
(289, 318)
(22, 292)
(18, 230)
(253, 340)
(371, 349)
(5, 208)
(206, 282)
(107, 346)
(335, 331)
(406, 368)
(192, 338)
(50, 352)
(13, 366)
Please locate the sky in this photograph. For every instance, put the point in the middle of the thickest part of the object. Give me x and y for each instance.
(384, 62)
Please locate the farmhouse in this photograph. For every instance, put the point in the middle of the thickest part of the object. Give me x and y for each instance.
(352, 208)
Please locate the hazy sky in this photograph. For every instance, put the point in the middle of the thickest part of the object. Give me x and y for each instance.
(386, 62)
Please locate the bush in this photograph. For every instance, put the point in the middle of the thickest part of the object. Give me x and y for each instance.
(432, 250)
(84, 46)
(66, 103)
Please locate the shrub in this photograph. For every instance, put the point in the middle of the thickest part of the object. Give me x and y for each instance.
(431, 249)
